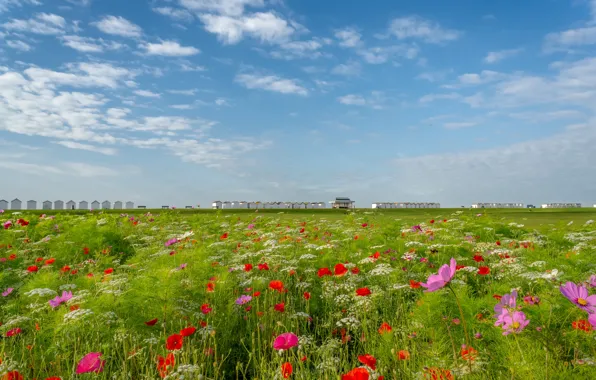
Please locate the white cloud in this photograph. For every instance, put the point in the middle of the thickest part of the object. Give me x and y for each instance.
(349, 37)
(225, 7)
(375, 100)
(485, 76)
(174, 13)
(433, 97)
(80, 3)
(414, 27)
(496, 56)
(19, 45)
(351, 68)
(29, 168)
(87, 147)
(182, 106)
(301, 49)
(90, 45)
(87, 170)
(42, 23)
(170, 49)
(118, 26)
(381, 54)
(271, 83)
(353, 100)
(5, 5)
(190, 67)
(459, 125)
(147, 94)
(190, 92)
(566, 40)
(266, 27)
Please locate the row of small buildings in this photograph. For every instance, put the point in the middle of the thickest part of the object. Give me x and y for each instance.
(226, 205)
(17, 204)
(406, 205)
(521, 205)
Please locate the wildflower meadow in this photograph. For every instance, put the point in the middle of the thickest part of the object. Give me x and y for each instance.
(357, 296)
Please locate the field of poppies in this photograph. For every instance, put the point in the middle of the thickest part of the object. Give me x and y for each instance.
(453, 295)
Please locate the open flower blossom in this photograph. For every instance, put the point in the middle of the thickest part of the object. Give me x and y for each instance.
(578, 295)
(65, 297)
(512, 321)
(243, 299)
(91, 363)
(7, 292)
(440, 280)
(507, 301)
(592, 281)
(359, 373)
(592, 320)
(285, 341)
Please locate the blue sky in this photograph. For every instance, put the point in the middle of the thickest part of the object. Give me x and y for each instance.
(184, 102)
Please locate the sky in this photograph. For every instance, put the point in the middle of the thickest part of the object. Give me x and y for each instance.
(183, 102)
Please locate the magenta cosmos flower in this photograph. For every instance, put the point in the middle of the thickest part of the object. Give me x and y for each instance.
(512, 322)
(55, 302)
(592, 320)
(438, 281)
(579, 296)
(91, 363)
(508, 301)
(285, 341)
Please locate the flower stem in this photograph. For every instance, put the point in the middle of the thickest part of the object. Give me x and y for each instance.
(461, 313)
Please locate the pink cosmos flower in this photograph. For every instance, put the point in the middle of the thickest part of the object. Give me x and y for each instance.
(285, 341)
(513, 322)
(438, 281)
(91, 363)
(579, 296)
(55, 302)
(507, 301)
(592, 281)
(592, 320)
(7, 224)
(13, 332)
(7, 292)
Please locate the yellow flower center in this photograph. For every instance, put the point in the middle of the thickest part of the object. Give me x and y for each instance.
(515, 325)
(582, 301)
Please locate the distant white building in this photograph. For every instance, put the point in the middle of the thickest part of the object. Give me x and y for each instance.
(95, 205)
(392, 205)
(216, 205)
(16, 204)
(83, 205)
(71, 205)
(342, 203)
(561, 205)
(106, 205)
(46, 205)
(58, 205)
(118, 205)
(3, 204)
(498, 205)
(130, 205)
(31, 205)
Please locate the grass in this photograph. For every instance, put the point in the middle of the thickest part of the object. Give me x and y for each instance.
(122, 276)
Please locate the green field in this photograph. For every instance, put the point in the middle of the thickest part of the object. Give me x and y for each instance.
(300, 294)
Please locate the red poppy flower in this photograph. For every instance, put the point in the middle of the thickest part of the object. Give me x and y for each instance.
(263, 266)
(368, 360)
(65, 269)
(32, 269)
(256, 294)
(458, 267)
(13, 332)
(151, 322)
(497, 297)
(50, 261)
(483, 271)
(276, 285)
(286, 370)
(432, 221)
(203, 324)
(108, 271)
(385, 328)
(324, 272)
(478, 258)
(355, 270)
(12, 375)
(163, 364)
(356, 374)
(89, 275)
(85, 251)
(210, 287)
(403, 355)
(247, 267)
(438, 374)
(582, 324)
(188, 331)
(340, 269)
(205, 309)
(468, 353)
(498, 242)
(174, 342)
(306, 295)
(23, 222)
(281, 307)
(53, 378)
(39, 259)
(414, 284)
(224, 236)
(363, 292)
(302, 230)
